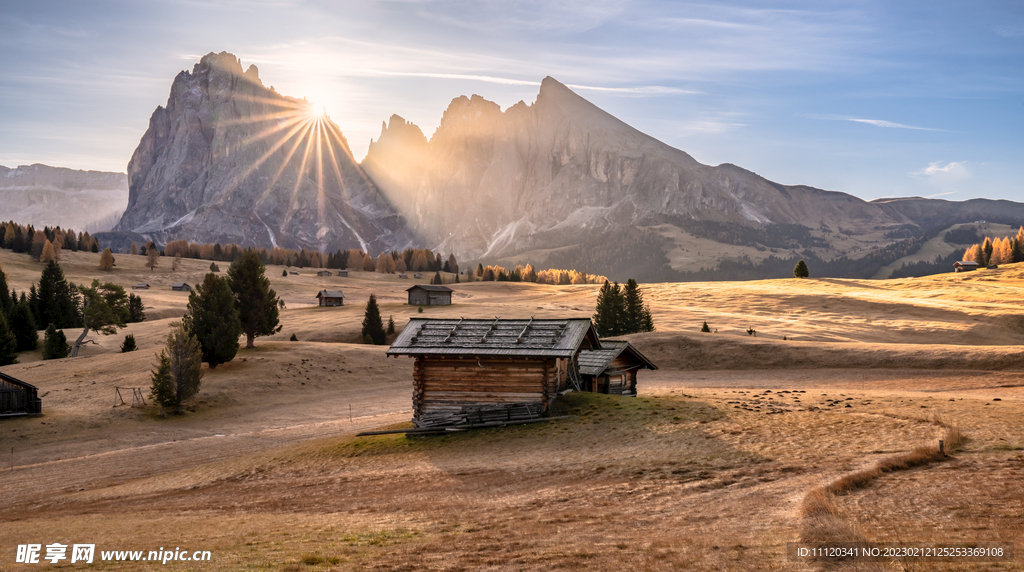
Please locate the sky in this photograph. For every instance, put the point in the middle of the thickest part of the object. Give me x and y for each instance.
(873, 98)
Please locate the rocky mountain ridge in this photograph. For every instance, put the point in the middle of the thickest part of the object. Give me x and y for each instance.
(229, 160)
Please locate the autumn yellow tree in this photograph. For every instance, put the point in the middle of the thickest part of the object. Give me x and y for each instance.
(368, 265)
(107, 259)
(48, 252)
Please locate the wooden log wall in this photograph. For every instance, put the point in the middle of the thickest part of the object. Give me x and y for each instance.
(446, 384)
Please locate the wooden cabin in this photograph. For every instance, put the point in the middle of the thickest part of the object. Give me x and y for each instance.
(18, 397)
(325, 273)
(342, 273)
(141, 286)
(293, 273)
(181, 287)
(429, 295)
(612, 369)
(965, 265)
(331, 298)
(467, 365)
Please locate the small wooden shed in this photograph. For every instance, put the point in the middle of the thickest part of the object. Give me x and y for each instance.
(181, 287)
(331, 298)
(325, 273)
(429, 295)
(141, 286)
(612, 369)
(18, 398)
(465, 365)
(342, 273)
(965, 265)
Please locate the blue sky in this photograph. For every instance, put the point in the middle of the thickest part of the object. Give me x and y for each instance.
(871, 98)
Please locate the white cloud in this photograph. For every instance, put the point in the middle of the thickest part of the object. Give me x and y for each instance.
(951, 171)
(890, 124)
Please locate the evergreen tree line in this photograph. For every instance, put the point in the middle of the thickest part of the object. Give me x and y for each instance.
(621, 310)
(54, 304)
(997, 250)
(45, 244)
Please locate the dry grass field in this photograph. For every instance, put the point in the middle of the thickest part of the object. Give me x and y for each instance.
(710, 468)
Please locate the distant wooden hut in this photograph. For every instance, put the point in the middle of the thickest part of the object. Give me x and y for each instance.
(324, 273)
(429, 295)
(342, 273)
(965, 265)
(467, 366)
(141, 287)
(18, 397)
(181, 287)
(293, 273)
(613, 368)
(403, 276)
(417, 275)
(331, 298)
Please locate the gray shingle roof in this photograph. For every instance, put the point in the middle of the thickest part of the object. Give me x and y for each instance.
(594, 362)
(330, 294)
(430, 288)
(520, 338)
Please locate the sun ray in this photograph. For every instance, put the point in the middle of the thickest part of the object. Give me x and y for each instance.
(289, 113)
(319, 174)
(284, 165)
(298, 182)
(272, 130)
(237, 180)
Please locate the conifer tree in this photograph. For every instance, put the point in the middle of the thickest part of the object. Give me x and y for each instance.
(214, 267)
(56, 299)
(634, 308)
(136, 311)
(186, 361)
(128, 345)
(705, 328)
(373, 327)
(55, 344)
(801, 270)
(255, 300)
(647, 321)
(8, 344)
(391, 325)
(104, 310)
(23, 324)
(107, 259)
(986, 252)
(437, 278)
(162, 385)
(213, 319)
(5, 295)
(48, 253)
(610, 313)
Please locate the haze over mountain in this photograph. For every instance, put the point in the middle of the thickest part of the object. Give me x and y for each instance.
(229, 160)
(54, 196)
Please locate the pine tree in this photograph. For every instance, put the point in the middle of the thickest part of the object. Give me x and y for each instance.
(255, 300)
(610, 312)
(214, 267)
(213, 319)
(5, 295)
(801, 270)
(162, 386)
(436, 279)
(647, 321)
(705, 328)
(391, 325)
(128, 345)
(373, 327)
(8, 344)
(55, 344)
(136, 311)
(186, 363)
(986, 252)
(104, 310)
(57, 300)
(24, 327)
(634, 308)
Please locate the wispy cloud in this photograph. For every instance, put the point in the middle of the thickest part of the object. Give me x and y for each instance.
(636, 90)
(951, 171)
(937, 195)
(891, 125)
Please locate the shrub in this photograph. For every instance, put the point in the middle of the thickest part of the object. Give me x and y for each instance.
(214, 267)
(55, 344)
(705, 328)
(294, 338)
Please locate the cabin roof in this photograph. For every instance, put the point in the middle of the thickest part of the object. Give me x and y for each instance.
(330, 294)
(180, 285)
(595, 362)
(429, 288)
(17, 382)
(497, 337)
(966, 263)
